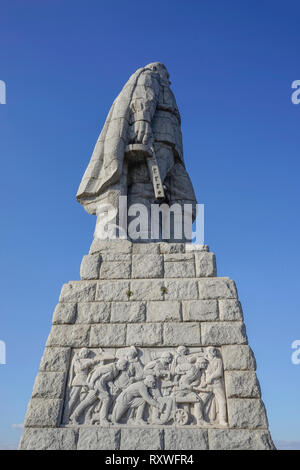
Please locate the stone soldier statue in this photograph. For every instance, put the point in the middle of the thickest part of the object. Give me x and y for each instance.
(139, 152)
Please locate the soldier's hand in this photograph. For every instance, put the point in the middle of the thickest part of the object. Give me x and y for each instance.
(141, 132)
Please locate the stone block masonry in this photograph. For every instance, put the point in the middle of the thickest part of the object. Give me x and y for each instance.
(149, 318)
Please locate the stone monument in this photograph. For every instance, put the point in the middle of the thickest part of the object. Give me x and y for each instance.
(149, 349)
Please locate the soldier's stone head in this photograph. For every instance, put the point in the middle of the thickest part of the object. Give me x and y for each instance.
(166, 358)
(132, 354)
(150, 381)
(202, 362)
(182, 350)
(84, 353)
(212, 352)
(161, 70)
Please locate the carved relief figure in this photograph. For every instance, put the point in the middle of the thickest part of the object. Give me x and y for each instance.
(136, 396)
(215, 383)
(98, 385)
(81, 366)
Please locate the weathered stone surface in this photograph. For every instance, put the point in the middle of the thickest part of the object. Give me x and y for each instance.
(112, 290)
(93, 312)
(147, 289)
(186, 439)
(179, 257)
(195, 247)
(108, 335)
(246, 413)
(141, 439)
(104, 246)
(55, 359)
(205, 264)
(179, 265)
(69, 335)
(200, 310)
(219, 333)
(131, 312)
(239, 439)
(115, 270)
(78, 291)
(163, 311)
(217, 288)
(92, 438)
(112, 256)
(181, 289)
(242, 384)
(230, 309)
(49, 385)
(43, 413)
(145, 266)
(48, 439)
(172, 248)
(90, 266)
(145, 248)
(238, 357)
(141, 334)
(65, 313)
(179, 333)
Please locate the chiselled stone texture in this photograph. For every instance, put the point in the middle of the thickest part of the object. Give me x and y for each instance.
(49, 385)
(112, 290)
(238, 357)
(90, 266)
(144, 334)
(65, 313)
(200, 310)
(147, 315)
(115, 270)
(107, 335)
(246, 413)
(99, 439)
(43, 412)
(93, 312)
(219, 333)
(230, 309)
(48, 439)
(110, 246)
(242, 439)
(176, 333)
(147, 266)
(241, 384)
(78, 291)
(217, 288)
(186, 439)
(161, 311)
(141, 439)
(55, 359)
(179, 265)
(128, 312)
(69, 335)
(205, 264)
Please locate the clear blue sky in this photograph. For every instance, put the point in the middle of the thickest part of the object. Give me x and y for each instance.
(231, 64)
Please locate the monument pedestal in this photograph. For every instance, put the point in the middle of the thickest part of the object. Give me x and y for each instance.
(147, 351)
